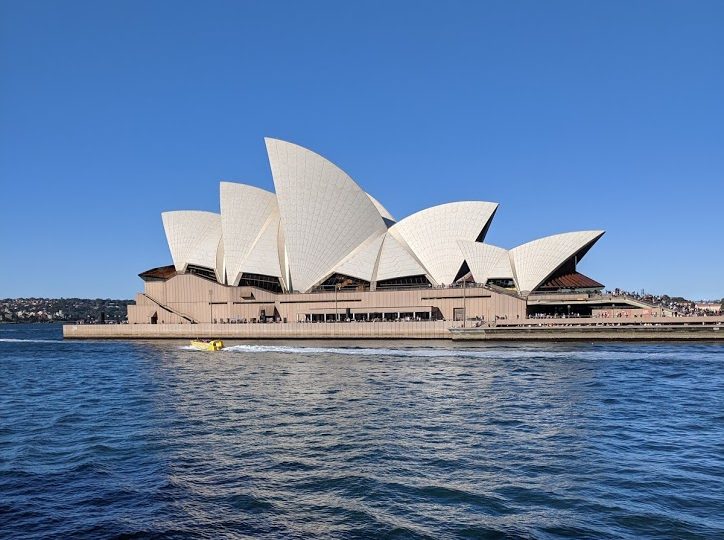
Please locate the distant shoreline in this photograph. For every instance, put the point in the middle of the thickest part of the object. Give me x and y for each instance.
(64, 310)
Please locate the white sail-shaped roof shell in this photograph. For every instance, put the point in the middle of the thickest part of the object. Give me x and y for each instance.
(245, 212)
(432, 234)
(263, 257)
(486, 261)
(396, 261)
(220, 260)
(382, 210)
(325, 215)
(194, 237)
(321, 222)
(535, 261)
(361, 262)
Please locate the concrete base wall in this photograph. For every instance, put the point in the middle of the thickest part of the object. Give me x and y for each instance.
(203, 301)
(362, 330)
(699, 328)
(630, 332)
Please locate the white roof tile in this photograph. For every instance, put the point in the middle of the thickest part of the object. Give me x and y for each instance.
(361, 262)
(193, 237)
(432, 234)
(324, 213)
(245, 211)
(396, 261)
(535, 261)
(486, 261)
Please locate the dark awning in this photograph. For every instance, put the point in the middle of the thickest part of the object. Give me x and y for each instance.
(573, 280)
(162, 273)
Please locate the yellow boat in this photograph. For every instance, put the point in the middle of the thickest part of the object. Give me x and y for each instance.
(207, 344)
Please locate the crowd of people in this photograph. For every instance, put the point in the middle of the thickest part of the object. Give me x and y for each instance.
(572, 315)
(680, 306)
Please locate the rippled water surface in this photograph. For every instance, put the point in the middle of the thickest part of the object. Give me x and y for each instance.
(367, 440)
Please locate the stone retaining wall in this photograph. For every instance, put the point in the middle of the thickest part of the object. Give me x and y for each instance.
(362, 330)
(710, 328)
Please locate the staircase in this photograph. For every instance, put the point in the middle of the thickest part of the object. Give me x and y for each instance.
(645, 305)
(171, 310)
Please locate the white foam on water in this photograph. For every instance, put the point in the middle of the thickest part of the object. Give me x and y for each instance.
(432, 352)
(191, 348)
(413, 352)
(356, 351)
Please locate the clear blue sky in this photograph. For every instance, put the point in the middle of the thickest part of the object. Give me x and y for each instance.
(572, 115)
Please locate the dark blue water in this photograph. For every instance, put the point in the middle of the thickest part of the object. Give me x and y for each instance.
(410, 440)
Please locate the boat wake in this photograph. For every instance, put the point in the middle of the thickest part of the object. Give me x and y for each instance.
(356, 351)
(417, 352)
(412, 352)
(496, 353)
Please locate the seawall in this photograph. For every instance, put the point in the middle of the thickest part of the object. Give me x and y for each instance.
(591, 333)
(672, 329)
(372, 330)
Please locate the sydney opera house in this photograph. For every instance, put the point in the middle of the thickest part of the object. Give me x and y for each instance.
(321, 249)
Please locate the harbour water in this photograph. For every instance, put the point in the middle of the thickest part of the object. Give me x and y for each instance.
(102, 439)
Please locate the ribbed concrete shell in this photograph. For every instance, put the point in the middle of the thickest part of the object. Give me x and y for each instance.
(194, 237)
(245, 212)
(486, 261)
(382, 210)
(321, 222)
(263, 257)
(361, 262)
(535, 261)
(283, 259)
(396, 261)
(432, 234)
(324, 213)
(219, 267)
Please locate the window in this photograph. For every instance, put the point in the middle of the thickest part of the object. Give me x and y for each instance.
(260, 281)
(409, 282)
